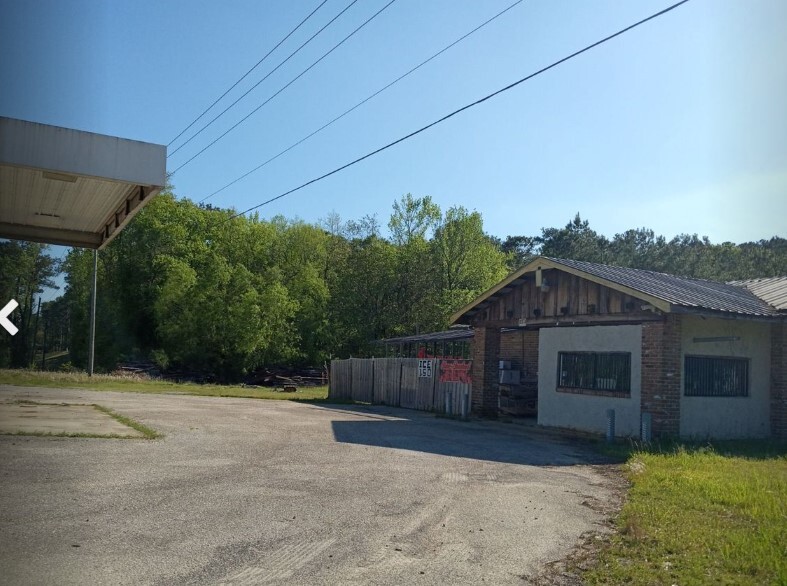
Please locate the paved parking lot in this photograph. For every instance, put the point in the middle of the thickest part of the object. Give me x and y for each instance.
(243, 491)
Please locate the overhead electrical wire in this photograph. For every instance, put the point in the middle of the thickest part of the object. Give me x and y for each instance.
(271, 72)
(288, 84)
(256, 65)
(462, 109)
(362, 102)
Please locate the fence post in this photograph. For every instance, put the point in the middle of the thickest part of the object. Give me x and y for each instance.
(399, 384)
(435, 376)
(352, 388)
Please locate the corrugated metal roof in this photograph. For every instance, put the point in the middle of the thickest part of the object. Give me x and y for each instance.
(680, 291)
(455, 334)
(772, 290)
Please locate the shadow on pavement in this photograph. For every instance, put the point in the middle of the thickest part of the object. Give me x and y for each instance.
(402, 429)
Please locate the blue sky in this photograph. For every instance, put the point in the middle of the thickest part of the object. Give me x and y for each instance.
(678, 126)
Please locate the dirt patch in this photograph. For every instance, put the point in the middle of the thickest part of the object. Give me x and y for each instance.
(569, 570)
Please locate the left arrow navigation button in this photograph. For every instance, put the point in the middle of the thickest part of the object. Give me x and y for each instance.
(4, 313)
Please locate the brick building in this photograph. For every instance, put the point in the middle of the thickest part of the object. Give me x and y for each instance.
(704, 359)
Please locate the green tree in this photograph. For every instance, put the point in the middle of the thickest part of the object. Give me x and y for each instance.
(25, 270)
(520, 250)
(576, 241)
(466, 260)
(415, 297)
(639, 248)
(412, 218)
(365, 304)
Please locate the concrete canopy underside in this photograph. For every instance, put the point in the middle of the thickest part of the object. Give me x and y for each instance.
(74, 188)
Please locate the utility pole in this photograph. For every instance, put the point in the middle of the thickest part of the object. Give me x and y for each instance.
(43, 349)
(35, 333)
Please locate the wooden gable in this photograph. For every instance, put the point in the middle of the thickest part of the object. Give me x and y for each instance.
(564, 295)
(546, 291)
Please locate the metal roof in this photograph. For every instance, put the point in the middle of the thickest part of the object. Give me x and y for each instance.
(679, 291)
(452, 335)
(64, 186)
(666, 292)
(772, 290)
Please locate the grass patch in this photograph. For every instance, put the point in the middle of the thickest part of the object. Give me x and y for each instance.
(106, 382)
(146, 431)
(69, 434)
(700, 514)
(127, 421)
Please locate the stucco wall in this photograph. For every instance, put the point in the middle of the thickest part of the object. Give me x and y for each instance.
(728, 417)
(588, 412)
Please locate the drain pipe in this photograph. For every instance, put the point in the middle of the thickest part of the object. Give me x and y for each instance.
(610, 426)
(646, 427)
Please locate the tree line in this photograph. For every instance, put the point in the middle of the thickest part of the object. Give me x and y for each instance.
(191, 286)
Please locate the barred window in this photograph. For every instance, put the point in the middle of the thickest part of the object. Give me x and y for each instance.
(715, 376)
(601, 371)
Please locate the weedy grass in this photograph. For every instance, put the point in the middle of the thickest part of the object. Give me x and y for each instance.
(70, 434)
(127, 421)
(700, 514)
(136, 384)
(146, 431)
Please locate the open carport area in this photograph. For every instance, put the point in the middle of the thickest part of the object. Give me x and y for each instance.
(249, 492)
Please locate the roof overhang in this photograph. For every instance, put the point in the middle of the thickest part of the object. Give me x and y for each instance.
(69, 187)
(506, 285)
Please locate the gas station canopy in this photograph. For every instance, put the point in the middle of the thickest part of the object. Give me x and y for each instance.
(69, 187)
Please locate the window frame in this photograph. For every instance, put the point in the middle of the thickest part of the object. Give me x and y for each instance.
(745, 361)
(594, 390)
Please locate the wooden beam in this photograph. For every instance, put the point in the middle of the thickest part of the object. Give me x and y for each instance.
(572, 320)
(135, 200)
(50, 235)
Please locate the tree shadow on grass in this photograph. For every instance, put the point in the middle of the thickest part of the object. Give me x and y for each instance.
(752, 449)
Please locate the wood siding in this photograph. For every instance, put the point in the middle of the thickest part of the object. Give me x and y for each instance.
(580, 296)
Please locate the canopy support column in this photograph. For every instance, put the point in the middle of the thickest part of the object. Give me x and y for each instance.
(92, 338)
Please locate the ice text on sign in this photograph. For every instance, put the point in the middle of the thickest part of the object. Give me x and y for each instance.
(425, 369)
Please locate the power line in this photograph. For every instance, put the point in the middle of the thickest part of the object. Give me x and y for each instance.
(362, 102)
(271, 72)
(232, 87)
(462, 109)
(296, 78)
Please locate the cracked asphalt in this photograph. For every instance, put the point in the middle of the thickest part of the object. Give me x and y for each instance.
(244, 491)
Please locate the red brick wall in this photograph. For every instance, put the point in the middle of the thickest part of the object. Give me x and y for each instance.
(486, 356)
(661, 367)
(779, 380)
(520, 347)
(530, 352)
(511, 348)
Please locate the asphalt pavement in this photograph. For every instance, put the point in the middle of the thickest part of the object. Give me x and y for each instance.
(244, 491)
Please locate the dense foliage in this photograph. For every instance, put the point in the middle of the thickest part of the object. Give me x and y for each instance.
(25, 269)
(192, 286)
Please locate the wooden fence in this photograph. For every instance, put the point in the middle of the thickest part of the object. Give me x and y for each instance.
(396, 382)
